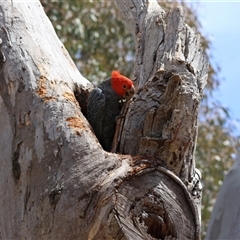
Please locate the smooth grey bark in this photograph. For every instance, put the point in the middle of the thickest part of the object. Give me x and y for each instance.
(56, 182)
(225, 218)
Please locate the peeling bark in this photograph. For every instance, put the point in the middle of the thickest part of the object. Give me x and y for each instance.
(170, 74)
(56, 182)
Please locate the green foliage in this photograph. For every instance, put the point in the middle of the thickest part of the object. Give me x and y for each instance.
(98, 42)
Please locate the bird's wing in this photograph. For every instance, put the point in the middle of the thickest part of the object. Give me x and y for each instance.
(96, 108)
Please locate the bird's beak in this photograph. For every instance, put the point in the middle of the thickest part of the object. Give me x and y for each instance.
(129, 93)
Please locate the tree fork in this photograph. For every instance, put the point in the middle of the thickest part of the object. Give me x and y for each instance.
(56, 181)
(170, 75)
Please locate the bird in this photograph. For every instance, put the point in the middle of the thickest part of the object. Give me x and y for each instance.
(104, 106)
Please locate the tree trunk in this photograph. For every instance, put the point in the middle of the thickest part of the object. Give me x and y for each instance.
(225, 218)
(56, 182)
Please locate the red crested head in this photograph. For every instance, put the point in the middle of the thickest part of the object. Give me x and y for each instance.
(122, 85)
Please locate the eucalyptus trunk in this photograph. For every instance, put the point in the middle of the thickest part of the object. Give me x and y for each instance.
(56, 181)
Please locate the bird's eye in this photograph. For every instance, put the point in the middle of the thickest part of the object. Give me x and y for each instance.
(124, 86)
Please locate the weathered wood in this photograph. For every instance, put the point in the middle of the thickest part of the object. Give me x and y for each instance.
(149, 211)
(56, 182)
(170, 74)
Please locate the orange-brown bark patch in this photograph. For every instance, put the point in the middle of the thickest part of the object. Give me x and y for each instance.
(70, 96)
(75, 122)
(46, 99)
(42, 89)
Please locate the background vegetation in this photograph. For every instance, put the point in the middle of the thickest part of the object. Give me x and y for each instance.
(98, 42)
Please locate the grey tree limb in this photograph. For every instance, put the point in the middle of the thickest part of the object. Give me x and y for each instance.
(225, 218)
(56, 182)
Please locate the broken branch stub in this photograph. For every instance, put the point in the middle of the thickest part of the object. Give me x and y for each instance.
(162, 118)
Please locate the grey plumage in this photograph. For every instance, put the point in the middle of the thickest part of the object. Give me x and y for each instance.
(102, 109)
